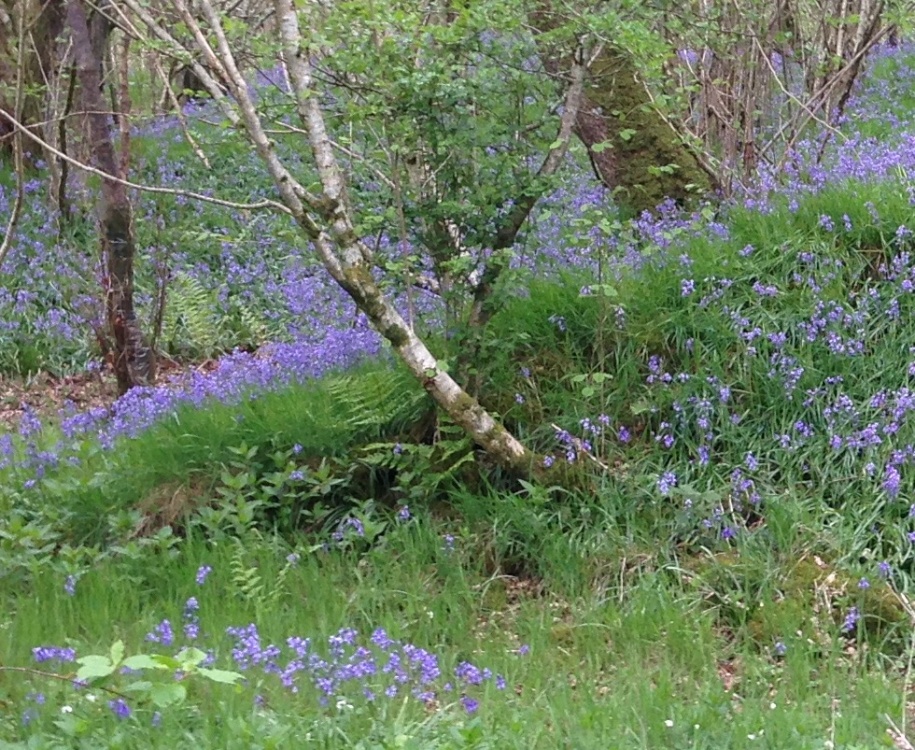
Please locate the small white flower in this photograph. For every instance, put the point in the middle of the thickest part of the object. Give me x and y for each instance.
(66, 709)
(343, 704)
(91, 698)
(668, 723)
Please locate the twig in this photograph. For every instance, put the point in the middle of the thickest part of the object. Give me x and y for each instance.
(179, 113)
(266, 203)
(55, 676)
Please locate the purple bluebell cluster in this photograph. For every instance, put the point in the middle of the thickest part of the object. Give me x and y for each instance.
(236, 377)
(346, 668)
(349, 668)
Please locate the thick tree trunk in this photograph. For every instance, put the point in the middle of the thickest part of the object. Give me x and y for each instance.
(133, 360)
(640, 157)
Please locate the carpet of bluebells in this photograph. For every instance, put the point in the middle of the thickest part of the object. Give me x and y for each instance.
(759, 370)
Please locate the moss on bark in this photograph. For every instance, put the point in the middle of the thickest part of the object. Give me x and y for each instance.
(644, 160)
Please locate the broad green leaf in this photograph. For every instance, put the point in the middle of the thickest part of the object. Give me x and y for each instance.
(117, 652)
(94, 666)
(166, 662)
(167, 694)
(639, 407)
(191, 657)
(142, 661)
(139, 686)
(220, 675)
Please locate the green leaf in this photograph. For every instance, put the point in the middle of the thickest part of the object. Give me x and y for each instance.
(627, 133)
(167, 694)
(71, 725)
(220, 675)
(190, 657)
(598, 148)
(142, 661)
(556, 144)
(117, 652)
(639, 407)
(93, 667)
(166, 662)
(139, 686)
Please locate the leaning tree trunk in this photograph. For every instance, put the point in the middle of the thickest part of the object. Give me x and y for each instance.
(633, 150)
(133, 360)
(325, 217)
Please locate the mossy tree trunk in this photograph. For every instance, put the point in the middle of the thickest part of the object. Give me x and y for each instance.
(633, 150)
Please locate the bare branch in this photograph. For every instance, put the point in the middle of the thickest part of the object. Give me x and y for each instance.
(507, 233)
(266, 203)
(335, 209)
(287, 128)
(179, 114)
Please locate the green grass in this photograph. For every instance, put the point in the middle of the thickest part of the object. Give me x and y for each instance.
(640, 662)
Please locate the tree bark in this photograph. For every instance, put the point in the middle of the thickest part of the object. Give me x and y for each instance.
(640, 157)
(132, 359)
(42, 22)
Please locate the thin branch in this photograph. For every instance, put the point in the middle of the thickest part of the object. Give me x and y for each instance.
(805, 106)
(293, 193)
(334, 209)
(505, 237)
(480, 311)
(287, 128)
(266, 203)
(818, 96)
(56, 676)
(179, 114)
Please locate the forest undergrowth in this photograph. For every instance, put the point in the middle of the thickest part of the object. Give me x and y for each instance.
(295, 549)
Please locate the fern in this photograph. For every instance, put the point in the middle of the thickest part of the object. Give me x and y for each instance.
(370, 404)
(246, 579)
(249, 584)
(190, 321)
(253, 329)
